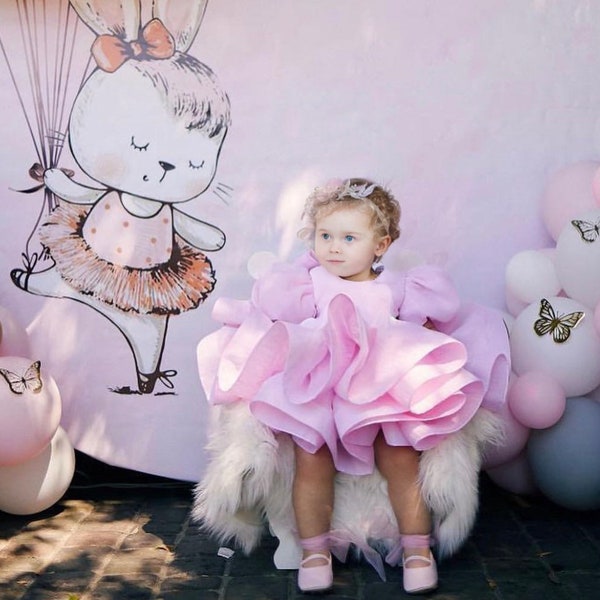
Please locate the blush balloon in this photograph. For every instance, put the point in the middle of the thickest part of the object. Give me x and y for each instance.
(536, 400)
(38, 483)
(514, 476)
(30, 409)
(515, 440)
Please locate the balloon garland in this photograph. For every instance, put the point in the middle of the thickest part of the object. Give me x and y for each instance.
(552, 417)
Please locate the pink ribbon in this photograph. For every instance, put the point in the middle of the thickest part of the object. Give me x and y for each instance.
(340, 540)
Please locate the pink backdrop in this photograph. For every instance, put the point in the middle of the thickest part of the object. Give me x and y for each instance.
(463, 109)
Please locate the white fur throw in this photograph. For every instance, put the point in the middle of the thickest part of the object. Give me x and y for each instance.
(248, 484)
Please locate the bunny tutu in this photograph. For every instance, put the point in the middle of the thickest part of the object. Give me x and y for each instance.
(94, 256)
(333, 362)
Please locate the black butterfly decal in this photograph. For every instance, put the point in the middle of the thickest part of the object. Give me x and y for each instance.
(30, 380)
(589, 231)
(558, 325)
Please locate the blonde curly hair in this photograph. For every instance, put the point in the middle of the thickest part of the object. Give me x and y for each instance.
(349, 193)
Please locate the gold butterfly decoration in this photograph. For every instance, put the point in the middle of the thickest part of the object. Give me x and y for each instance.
(589, 232)
(29, 381)
(559, 326)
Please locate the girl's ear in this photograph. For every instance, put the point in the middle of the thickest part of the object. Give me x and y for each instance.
(383, 245)
(113, 17)
(181, 18)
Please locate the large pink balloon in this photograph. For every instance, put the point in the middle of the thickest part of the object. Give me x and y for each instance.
(515, 439)
(38, 483)
(14, 340)
(30, 409)
(569, 192)
(536, 400)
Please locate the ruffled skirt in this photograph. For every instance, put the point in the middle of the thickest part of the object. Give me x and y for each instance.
(340, 381)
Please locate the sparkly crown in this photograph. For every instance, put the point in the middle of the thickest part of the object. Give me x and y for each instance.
(356, 190)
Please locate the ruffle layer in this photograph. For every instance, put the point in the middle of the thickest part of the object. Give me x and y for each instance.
(339, 381)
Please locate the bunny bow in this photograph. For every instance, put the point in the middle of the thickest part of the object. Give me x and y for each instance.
(110, 51)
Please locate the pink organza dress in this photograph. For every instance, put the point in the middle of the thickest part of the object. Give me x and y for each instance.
(334, 362)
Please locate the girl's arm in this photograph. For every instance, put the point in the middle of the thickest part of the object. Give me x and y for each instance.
(70, 191)
(199, 234)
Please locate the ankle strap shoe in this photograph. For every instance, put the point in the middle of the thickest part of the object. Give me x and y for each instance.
(418, 580)
(318, 578)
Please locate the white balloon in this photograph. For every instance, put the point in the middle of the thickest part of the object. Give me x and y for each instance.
(36, 484)
(530, 275)
(575, 363)
(513, 304)
(578, 258)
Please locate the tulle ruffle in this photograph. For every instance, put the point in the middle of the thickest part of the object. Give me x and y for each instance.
(178, 285)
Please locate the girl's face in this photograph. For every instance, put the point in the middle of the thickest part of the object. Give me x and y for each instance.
(346, 245)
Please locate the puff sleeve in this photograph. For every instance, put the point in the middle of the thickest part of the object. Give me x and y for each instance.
(426, 292)
(286, 293)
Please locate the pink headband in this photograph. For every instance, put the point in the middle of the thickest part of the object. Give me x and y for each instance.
(110, 51)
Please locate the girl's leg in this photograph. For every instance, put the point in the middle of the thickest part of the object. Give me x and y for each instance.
(312, 496)
(399, 465)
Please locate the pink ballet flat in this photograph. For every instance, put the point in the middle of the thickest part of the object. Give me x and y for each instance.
(315, 579)
(418, 580)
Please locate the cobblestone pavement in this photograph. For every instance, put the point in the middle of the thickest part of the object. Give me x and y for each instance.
(129, 541)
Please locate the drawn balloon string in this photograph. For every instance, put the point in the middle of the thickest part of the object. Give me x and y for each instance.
(41, 70)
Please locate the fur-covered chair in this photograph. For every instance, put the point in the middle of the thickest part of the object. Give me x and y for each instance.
(248, 486)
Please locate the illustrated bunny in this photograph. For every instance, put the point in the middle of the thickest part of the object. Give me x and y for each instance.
(147, 125)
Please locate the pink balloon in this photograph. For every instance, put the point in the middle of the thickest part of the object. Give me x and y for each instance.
(515, 439)
(30, 409)
(596, 186)
(568, 193)
(14, 340)
(38, 483)
(514, 476)
(536, 400)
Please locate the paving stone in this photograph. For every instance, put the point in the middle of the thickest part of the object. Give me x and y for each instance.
(139, 542)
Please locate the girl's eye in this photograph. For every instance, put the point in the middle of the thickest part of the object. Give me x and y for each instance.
(349, 238)
(137, 146)
(325, 236)
(195, 167)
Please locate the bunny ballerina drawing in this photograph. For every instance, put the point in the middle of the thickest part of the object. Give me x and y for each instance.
(147, 126)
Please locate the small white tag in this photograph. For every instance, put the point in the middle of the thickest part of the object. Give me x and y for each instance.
(225, 552)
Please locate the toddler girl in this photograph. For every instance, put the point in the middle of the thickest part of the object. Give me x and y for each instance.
(355, 363)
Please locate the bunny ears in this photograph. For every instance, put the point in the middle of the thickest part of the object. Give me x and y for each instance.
(174, 26)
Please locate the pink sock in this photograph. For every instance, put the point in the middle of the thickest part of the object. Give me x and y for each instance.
(415, 540)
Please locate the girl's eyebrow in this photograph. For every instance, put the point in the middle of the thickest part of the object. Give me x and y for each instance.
(354, 233)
